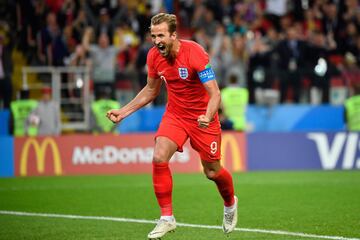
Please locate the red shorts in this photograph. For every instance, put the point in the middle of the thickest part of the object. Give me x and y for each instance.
(206, 141)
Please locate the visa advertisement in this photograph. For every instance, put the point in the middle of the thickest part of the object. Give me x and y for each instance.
(112, 154)
(302, 151)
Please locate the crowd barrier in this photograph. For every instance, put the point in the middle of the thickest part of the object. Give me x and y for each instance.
(132, 153)
(278, 118)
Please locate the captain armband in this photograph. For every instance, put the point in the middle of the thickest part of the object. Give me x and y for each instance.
(206, 75)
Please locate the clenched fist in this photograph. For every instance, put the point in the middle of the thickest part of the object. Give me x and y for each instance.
(203, 121)
(115, 115)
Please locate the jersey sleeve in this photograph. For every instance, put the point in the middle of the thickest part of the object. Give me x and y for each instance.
(150, 65)
(199, 60)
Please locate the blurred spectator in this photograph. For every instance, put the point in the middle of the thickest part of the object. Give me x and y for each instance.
(46, 116)
(120, 12)
(291, 62)
(69, 39)
(225, 11)
(132, 21)
(185, 12)
(234, 102)
(51, 46)
(200, 37)
(79, 58)
(127, 42)
(125, 37)
(348, 38)
(104, 25)
(352, 110)
(20, 111)
(239, 58)
(221, 54)
(6, 65)
(311, 22)
(262, 63)
(319, 68)
(257, 18)
(351, 10)
(67, 12)
(141, 67)
(80, 24)
(350, 72)
(30, 19)
(236, 26)
(144, 20)
(204, 19)
(92, 9)
(103, 57)
(99, 123)
(271, 38)
(333, 25)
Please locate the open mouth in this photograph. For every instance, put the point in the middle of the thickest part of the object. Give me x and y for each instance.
(161, 47)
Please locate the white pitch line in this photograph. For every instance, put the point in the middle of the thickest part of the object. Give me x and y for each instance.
(132, 220)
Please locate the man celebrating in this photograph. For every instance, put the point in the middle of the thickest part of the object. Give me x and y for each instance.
(191, 112)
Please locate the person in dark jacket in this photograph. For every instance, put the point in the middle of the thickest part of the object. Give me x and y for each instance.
(291, 62)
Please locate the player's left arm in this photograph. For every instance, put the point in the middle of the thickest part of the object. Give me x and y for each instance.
(199, 60)
(213, 90)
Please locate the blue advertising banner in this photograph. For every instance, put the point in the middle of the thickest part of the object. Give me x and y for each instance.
(301, 151)
(4, 122)
(279, 118)
(7, 157)
(291, 118)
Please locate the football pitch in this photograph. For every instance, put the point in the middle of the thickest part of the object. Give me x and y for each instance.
(272, 205)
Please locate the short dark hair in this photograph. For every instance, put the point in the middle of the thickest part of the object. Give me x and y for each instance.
(170, 19)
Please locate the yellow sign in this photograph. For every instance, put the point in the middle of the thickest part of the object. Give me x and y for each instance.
(237, 161)
(40, 150)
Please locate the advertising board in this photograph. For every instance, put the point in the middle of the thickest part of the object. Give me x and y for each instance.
(300, 151)
(112, 154)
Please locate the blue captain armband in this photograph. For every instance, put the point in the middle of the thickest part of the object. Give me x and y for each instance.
(206, 75)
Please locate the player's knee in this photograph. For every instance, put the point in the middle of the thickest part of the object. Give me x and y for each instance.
(159, 158)
(210, 174)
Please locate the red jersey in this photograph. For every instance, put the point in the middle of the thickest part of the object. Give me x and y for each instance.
(187, 96)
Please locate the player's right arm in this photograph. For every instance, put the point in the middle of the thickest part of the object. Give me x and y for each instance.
(145, 96)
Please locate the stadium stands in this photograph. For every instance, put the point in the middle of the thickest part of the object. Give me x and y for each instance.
(245, 38)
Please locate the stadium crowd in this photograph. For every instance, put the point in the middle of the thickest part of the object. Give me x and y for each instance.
(299, 49)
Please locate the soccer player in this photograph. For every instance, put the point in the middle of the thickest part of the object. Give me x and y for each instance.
(191, 112)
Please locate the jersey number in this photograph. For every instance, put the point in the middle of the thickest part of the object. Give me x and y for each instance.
(213, 147)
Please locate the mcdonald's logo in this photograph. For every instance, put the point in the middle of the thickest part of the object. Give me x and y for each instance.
(229, 140)
(40, 154)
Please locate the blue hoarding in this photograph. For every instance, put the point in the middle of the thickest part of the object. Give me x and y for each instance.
(291, 118)
(7, 157)
(301, 151)
(4, 122)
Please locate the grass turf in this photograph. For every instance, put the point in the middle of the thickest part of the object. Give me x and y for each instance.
(322, 203)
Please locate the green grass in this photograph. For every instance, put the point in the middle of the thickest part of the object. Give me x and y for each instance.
(322, 203)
